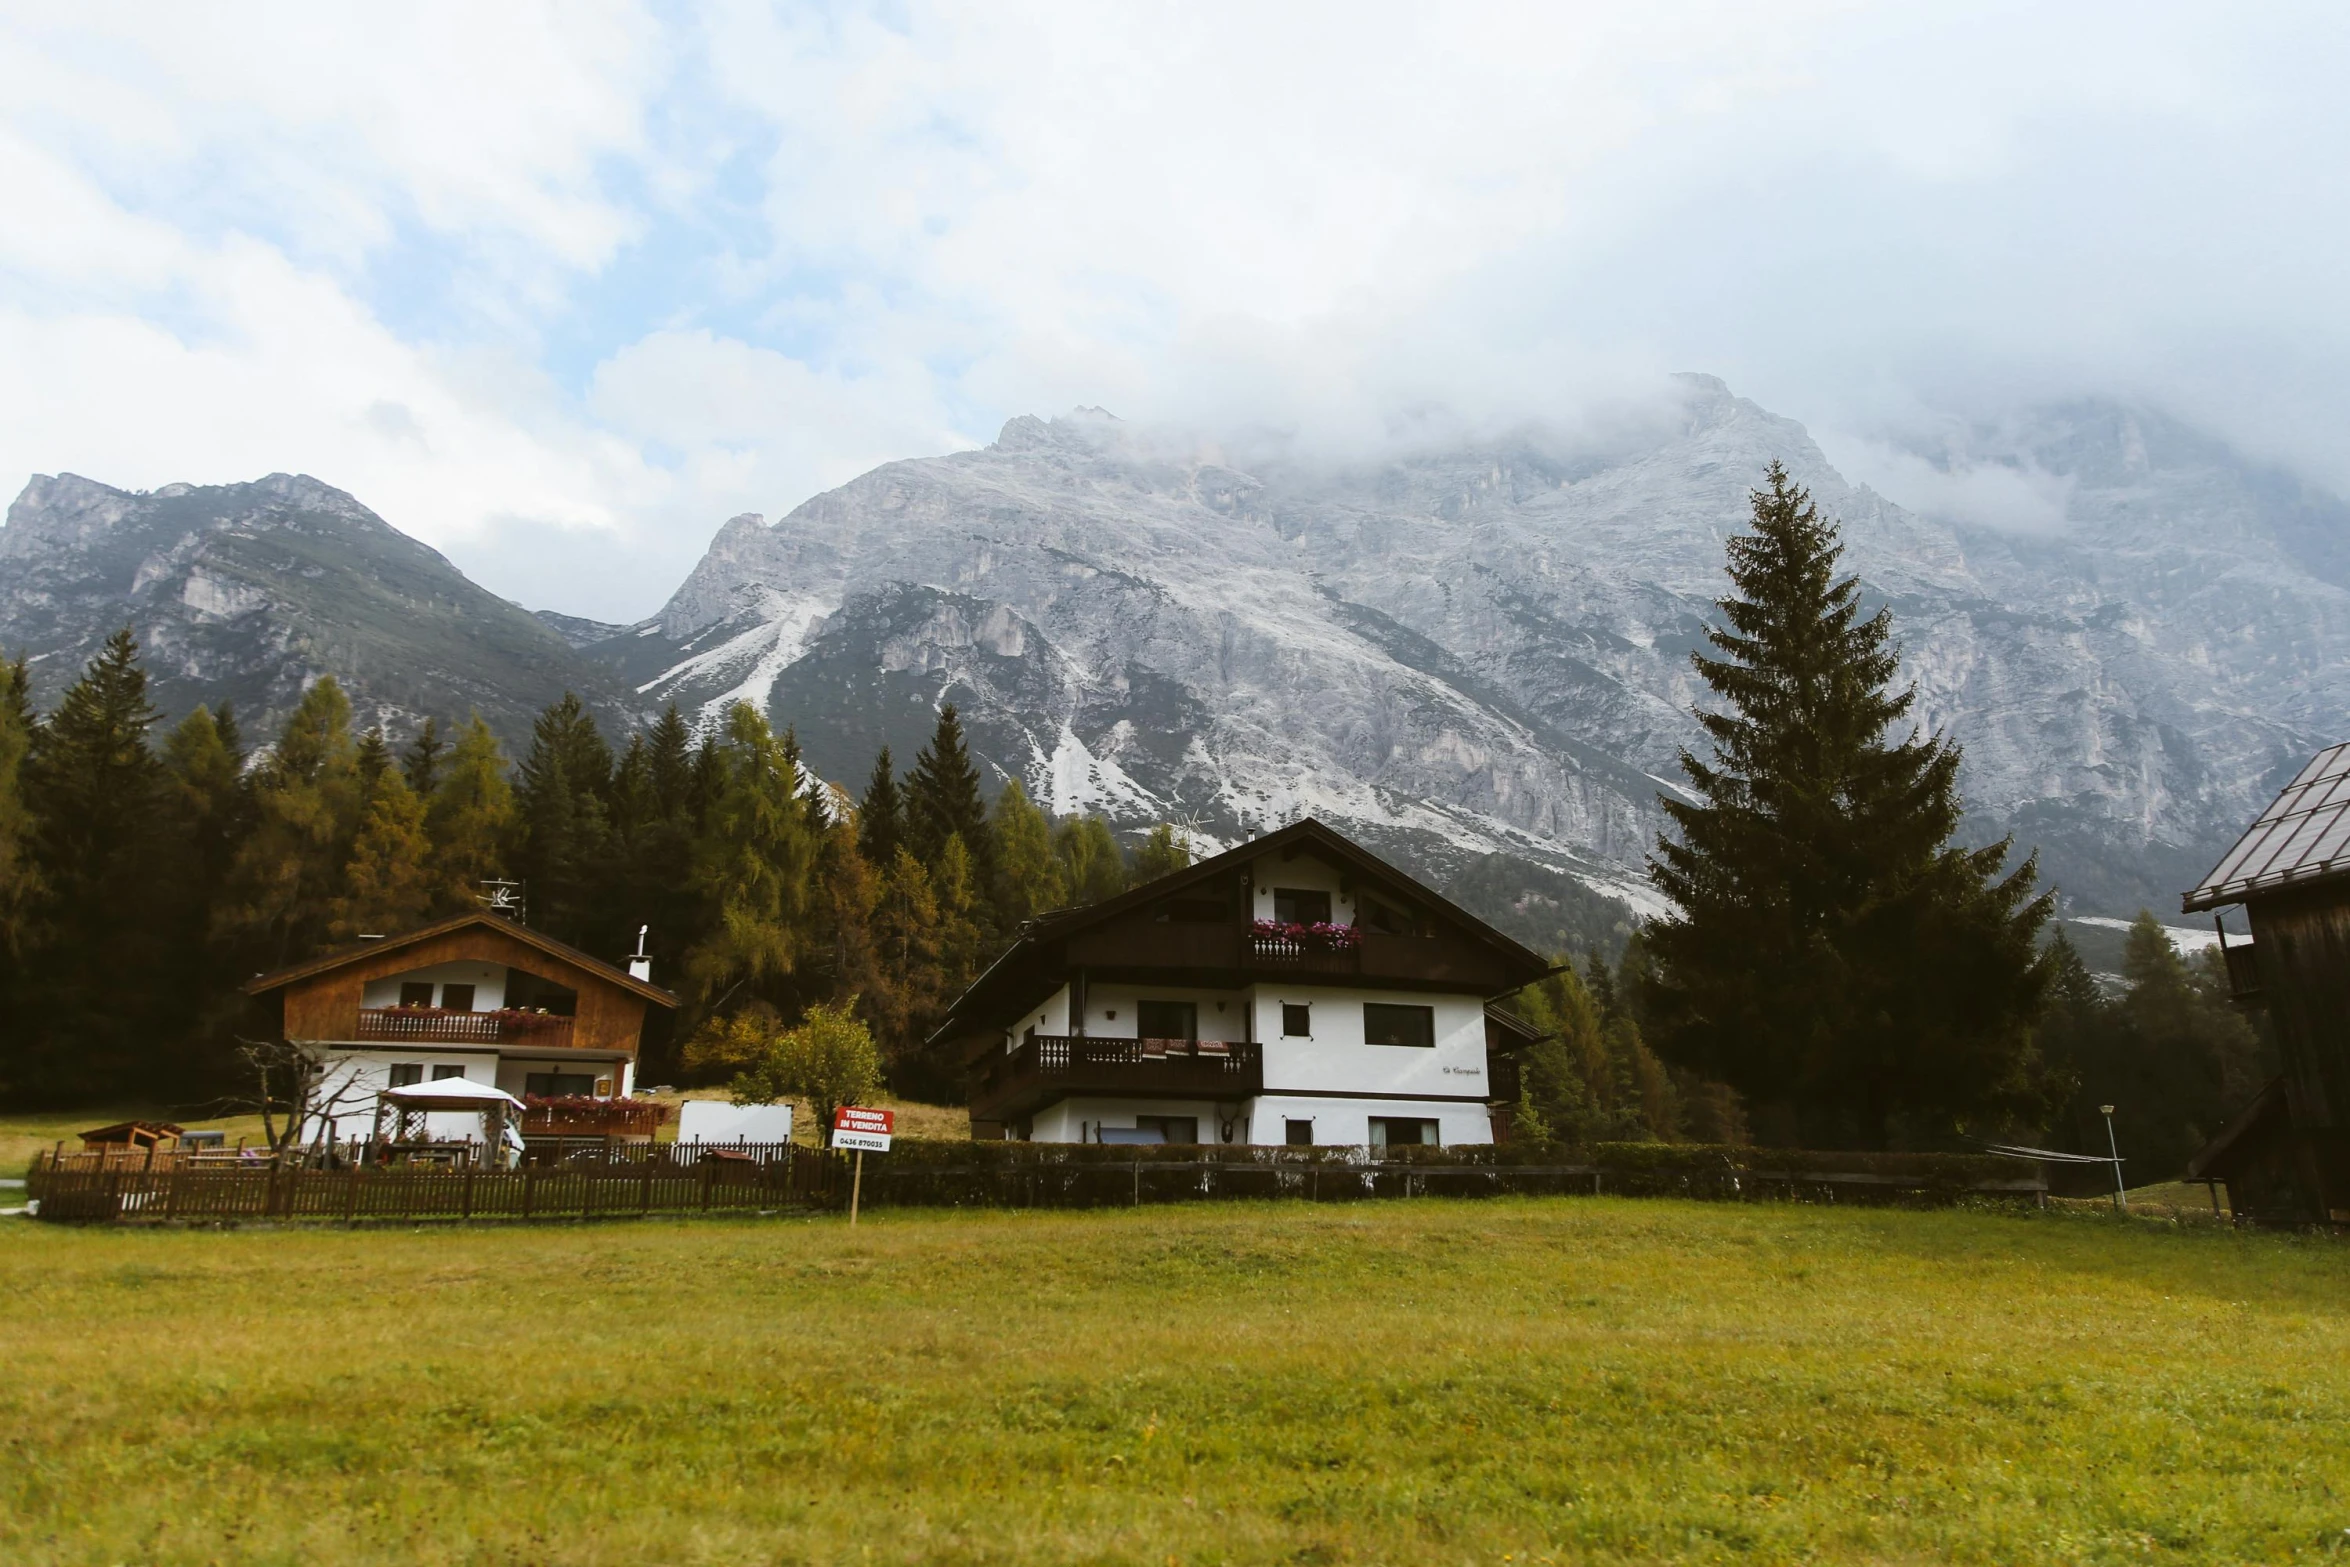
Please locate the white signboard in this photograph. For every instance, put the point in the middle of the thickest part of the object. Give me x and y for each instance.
(866, 1130)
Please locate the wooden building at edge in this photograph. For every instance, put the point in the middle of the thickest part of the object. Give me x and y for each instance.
(2286, 1156)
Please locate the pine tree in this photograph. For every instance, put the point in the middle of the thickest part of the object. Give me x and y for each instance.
(17, 884)
(100, 992)
(563, 846)
(881, 816)
(1831, 948)
(942, 799)
(388, 886)
(469, 819)
(755, 865)
(374, 759)
(670, 756)
(1028, 878)
(421, 766)
(306, 802)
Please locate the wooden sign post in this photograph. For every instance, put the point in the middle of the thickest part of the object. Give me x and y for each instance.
(861, 1129)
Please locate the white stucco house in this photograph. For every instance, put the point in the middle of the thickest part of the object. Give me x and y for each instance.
(1295, 990)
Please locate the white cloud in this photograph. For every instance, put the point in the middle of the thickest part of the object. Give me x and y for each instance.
(518, 272)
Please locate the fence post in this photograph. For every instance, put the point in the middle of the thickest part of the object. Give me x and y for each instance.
(645, 1192)
(703, 1168)
(465, 1209)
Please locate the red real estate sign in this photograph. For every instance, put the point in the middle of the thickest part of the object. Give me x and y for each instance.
(855, 1127)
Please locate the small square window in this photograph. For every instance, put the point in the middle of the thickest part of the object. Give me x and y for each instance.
(406, 1074)
(441, 1074)
(456, 998)
(1297, 1020)
(1298, 1134)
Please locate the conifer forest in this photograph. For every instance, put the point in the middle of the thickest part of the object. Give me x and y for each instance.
(1840, 969)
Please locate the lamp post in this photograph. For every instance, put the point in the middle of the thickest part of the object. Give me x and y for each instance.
(2121, 1204)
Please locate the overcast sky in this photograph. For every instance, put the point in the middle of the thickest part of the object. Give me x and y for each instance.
(559, 289)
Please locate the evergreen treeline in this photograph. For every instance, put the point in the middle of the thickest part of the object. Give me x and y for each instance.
(2170, 1052)
(142, 877)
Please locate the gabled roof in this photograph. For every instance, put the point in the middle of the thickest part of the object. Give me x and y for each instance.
(1308, 834)
(562, 952)
(2303, 836)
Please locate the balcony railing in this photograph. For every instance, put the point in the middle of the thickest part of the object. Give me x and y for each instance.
(572, 1116)
(433, 1025)
(1301, 954)
(1046, 1067)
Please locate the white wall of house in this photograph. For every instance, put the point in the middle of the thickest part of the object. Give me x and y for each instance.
(1264, 1121)
(355, 1077)
(1347, 1122)
(1307, 874)
(1335, 1057)
(1111, 1010)
(515, 1072)
(487, 979)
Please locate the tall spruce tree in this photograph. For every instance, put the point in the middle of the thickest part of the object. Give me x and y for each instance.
(388, 885)
(102, 1013)
(1832, 950)
(564, 827)
(881, 816)
(16, 867)
(421, 765)
(942, 800)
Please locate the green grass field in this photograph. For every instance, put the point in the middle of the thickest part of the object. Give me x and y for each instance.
(1509, 1381)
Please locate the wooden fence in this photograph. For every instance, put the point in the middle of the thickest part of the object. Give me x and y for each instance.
(636, 1181)
(615, 1183)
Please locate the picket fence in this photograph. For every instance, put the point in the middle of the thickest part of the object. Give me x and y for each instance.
(641, 1180)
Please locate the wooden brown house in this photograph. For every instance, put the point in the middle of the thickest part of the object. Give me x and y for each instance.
(2286, 1156)
(475, 996)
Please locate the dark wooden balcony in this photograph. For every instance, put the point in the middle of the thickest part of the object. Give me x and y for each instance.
(1050, 1067)
(2243, 971)
(433, 1025)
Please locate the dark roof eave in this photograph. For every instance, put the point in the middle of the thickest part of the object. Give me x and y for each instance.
(1053, 926)
(560, 950)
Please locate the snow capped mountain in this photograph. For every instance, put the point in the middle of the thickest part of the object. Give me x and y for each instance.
(248, 592)
(1484, 649)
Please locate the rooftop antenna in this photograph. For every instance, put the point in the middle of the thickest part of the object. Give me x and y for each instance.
(640, 963)
(504, 897)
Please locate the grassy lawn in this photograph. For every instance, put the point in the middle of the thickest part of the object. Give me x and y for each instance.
(1525, 1380)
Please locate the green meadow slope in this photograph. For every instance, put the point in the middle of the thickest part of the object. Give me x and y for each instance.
(1574, 1380)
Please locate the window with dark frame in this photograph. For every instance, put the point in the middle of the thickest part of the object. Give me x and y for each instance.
(456, 998)
(406, 1074)
(441, 1074)
(415, 994)
(1298, 1134)
(1394, 1131)
(559, 1085)
(1297, 1020)
(1166, 1019)
(1301, 906)
(1387, 1023)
